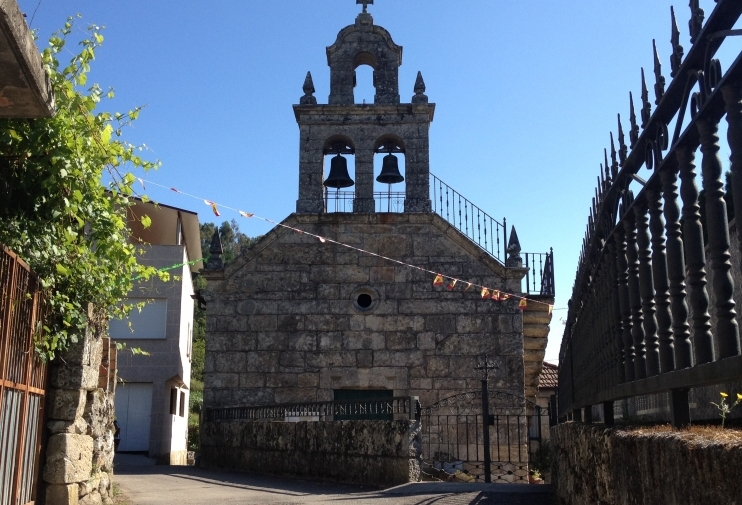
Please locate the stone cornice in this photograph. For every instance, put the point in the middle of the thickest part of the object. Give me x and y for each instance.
(370, 110)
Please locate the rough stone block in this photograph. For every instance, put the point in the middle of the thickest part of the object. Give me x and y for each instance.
(77, 427)
(363, 340)
(62, 494)
(66, 405)
(69, 458)
(62, 376)
(364, 358)
(426, 341)
(92, 498)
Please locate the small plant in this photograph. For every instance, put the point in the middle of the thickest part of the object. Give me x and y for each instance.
(725, 407)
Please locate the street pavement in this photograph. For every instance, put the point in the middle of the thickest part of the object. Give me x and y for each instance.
(147, 484)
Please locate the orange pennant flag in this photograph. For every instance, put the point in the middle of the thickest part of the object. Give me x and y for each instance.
(551, 307)
(504, 296)
(438, 281)
(522, 304)
(452, 285)
(468, 285)
(245, 214)
(485, 293)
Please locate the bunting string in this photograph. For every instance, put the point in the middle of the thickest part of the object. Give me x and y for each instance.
(438, 280)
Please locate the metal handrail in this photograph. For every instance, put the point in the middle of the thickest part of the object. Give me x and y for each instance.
(469, 219)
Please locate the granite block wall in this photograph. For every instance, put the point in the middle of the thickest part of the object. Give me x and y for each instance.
(284, 323)
(362, 452)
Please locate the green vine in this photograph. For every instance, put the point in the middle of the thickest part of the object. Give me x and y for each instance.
(56, 212)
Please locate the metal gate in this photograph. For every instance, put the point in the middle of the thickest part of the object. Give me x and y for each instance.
(22, 380)
(461, 431)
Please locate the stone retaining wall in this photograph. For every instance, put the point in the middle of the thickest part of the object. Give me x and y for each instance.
(361, 452)
(593, 465)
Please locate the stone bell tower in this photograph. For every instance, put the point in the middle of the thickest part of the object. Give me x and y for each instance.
(343, 127)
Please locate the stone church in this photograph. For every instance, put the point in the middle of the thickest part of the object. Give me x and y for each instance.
(297, 319)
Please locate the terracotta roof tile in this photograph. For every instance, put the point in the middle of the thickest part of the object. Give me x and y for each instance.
(549, 377)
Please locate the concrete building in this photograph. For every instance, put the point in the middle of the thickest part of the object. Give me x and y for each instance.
(152, 397)
(296, 319)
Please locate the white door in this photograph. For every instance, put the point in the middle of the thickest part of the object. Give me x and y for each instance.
(133, 412)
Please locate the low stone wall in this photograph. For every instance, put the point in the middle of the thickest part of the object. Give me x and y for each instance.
(362, 452)
(79, 452)
(593, 465)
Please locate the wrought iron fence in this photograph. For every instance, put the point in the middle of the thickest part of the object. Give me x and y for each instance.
(480, 227)
(342, 201)
(649, 314)
(22, 380)
(401, 407)
(453, 435)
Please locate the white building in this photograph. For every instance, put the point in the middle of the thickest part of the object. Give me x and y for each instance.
(152, 395)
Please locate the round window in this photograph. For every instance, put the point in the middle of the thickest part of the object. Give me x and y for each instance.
(364, 299)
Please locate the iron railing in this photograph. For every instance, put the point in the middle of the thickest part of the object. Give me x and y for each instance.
(480, 227)
(401, 407)
(539, 273)
(342, 201)
(23, 377)
(649, 314)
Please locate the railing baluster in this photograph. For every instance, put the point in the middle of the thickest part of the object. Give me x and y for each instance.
(727, 329)
(635, 301)
(676, 269)
(661, 282)
(733, 106)
(646, 287)
(695, 257)
(620, 375)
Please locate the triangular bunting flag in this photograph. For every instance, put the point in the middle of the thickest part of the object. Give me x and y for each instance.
(496, 296)
(322, 239)
(245, 214)
(485, 293)
(438, 281)
(141, 181)
(522, 304)
(504, 296)
(173, 189)
(551, 307)
(213, 207)
(452, 285)
(468, 285)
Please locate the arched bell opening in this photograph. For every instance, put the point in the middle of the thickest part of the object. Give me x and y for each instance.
(339, 174)
(364, 78)
(389, 169)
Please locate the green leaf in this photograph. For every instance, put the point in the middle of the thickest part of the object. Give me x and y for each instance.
(146, 221)
(61, 269)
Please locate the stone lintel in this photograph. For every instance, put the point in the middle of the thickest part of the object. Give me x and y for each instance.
(25, 88)
(373, 111)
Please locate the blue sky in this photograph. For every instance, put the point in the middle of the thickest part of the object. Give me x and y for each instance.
(526, 94)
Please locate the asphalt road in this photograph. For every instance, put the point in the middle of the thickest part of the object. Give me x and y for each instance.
(146, 484)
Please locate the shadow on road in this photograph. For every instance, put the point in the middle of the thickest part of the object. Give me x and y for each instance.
(149, 484)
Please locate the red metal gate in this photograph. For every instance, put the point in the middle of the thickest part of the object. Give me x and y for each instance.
(22, 380)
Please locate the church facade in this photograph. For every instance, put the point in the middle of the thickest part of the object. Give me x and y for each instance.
(301, 319)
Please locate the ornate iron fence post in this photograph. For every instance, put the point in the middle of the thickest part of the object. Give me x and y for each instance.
(485, 366)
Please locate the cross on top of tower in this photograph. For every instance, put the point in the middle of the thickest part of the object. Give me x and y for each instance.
(365, 4)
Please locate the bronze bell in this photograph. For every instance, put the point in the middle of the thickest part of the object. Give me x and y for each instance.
(390, 171)
(339, 177)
